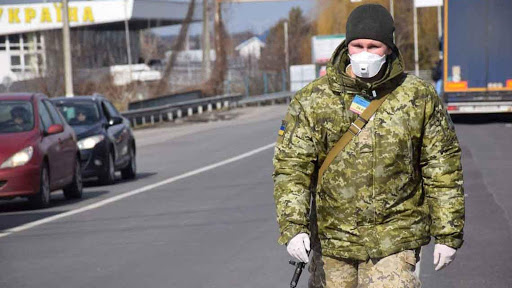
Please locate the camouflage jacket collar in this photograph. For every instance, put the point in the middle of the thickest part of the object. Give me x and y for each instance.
(340, 81)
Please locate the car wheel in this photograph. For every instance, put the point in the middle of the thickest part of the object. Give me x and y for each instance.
(131, 170)
(110, 173)
(42, 198)
(74, 190)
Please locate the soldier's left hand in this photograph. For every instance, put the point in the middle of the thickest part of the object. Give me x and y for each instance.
(443, 255)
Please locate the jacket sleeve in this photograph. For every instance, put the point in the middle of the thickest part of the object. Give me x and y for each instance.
(442, 174)
(294, 164)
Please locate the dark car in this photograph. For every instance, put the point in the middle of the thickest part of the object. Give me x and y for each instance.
(38, 150)
(105, 138)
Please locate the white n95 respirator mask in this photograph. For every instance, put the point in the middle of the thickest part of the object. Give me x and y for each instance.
(366, 64)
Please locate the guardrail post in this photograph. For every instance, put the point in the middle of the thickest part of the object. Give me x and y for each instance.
(178, 114)
(190, 112)
(226, 104)
(169, 116)
(219, 105)
(200, 109)
(143, 120)
(152, 119)
(159, 117)
(134, 122)
(209, 107)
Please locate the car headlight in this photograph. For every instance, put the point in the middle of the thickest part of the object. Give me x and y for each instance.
(90, 142)
(19, 159)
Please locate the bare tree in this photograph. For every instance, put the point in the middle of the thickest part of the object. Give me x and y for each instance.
(178, 46)
(214, 85)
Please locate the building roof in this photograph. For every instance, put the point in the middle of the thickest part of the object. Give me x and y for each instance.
(250, 41)
(106, 14)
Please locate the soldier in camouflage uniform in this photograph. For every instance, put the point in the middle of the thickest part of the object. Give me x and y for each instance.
(396, 184)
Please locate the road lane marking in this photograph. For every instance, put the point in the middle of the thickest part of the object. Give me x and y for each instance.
(116, 198)
(418, 265)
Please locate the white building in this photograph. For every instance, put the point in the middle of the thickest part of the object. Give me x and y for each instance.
(189, 57)
(250, 48)
(26, 53)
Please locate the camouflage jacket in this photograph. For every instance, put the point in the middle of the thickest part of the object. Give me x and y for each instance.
(395, 185)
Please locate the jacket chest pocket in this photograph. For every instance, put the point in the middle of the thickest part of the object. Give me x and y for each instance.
(331, 130)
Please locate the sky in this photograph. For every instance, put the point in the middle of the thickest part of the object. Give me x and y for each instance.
(256, 17)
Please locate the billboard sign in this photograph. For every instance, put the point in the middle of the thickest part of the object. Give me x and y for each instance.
(22, 18)
(323, 46)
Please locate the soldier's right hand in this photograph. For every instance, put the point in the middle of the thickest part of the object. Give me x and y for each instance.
(298, 247)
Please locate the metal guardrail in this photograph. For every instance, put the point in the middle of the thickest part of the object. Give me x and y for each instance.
(284, 96)
(178, 110)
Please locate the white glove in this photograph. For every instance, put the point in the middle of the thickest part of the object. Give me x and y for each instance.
(443, 255)
(298, 247)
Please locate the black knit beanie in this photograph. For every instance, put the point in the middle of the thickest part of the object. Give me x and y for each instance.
(371, 21)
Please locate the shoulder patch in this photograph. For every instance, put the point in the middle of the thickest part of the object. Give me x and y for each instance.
(282, 130)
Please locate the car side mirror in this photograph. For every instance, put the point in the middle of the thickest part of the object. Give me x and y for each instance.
(55, 129)
(115, 121)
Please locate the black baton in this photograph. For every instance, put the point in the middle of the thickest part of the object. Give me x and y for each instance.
(296, 275)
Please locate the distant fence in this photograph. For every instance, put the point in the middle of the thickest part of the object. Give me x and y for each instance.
(170, 112)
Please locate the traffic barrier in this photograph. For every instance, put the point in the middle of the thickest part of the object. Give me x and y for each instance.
(170, 112)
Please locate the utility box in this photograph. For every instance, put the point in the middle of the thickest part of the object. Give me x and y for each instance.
(301, 75)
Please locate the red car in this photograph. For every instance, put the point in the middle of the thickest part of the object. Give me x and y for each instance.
(38, 150)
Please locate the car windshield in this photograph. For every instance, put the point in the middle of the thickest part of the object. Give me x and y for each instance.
(79, 112)
(16, 116)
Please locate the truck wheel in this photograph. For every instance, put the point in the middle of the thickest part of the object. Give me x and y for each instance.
(110, 174)
(42, 198)
(74, 189)
(131, 170)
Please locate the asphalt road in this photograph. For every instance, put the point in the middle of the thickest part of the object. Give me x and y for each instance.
(216, 227)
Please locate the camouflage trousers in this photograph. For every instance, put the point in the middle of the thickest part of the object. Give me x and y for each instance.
(394, 271)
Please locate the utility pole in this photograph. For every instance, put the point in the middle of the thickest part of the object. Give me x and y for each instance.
(286, 53)
(128, 42)
(206, 41)
(391, 8)
(68, 69)
(416, 52)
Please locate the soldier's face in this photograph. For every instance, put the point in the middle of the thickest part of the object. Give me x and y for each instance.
(368, 45)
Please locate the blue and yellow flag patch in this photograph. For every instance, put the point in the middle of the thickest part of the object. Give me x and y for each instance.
(359, 105)
(282, 128)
